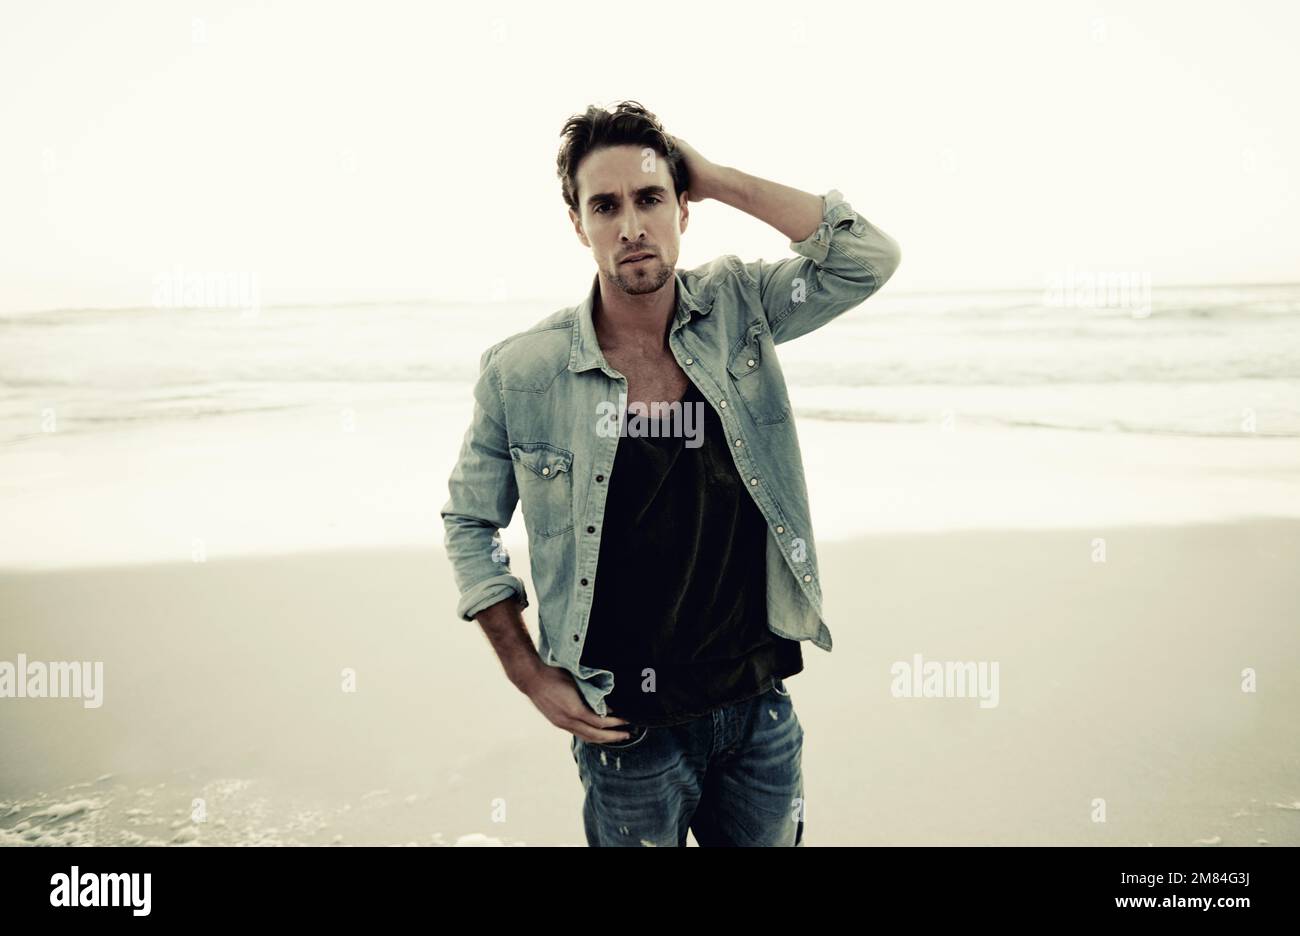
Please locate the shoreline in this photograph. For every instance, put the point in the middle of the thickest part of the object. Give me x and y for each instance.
(279, 483)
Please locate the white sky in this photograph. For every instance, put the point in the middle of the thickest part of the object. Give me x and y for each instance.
(348, 151)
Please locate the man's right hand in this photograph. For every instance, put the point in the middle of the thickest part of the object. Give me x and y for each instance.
(550, 688)
(553, 691)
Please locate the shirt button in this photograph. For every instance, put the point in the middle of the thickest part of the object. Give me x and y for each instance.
(690, 360)
(575, 638)
(600, 477)
(722, 403)
(807, 578)
(750, 362)
(546, 470)
(584, 581)
(739, 443)
(591, 529)
(753, 481)
(780, 529)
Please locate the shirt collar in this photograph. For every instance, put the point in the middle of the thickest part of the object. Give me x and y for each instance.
(586, 352)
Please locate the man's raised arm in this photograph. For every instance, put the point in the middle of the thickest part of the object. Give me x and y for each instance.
(843, 258)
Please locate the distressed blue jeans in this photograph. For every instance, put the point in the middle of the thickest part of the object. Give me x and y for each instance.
(732, 777)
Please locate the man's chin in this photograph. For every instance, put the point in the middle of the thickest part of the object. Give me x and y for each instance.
(639, 283)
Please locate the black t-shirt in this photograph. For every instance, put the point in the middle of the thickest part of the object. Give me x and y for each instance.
(681, 583)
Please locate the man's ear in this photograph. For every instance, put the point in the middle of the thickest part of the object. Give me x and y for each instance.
(683, 205)
(577, 226)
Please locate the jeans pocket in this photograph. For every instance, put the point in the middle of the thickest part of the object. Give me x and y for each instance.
(638, 734)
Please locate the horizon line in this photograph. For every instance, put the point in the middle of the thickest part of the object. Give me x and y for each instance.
(537, 299)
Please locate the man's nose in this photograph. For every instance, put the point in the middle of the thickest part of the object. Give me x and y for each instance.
(633, 228)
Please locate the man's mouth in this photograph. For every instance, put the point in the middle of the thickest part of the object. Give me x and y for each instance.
(637, 258)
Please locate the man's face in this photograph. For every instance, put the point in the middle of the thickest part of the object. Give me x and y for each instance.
(625, 195)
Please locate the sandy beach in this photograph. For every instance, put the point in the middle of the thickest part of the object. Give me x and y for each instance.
(1119, 680)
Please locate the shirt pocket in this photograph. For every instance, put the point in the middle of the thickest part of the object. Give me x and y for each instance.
(544, 476)
(757, 377)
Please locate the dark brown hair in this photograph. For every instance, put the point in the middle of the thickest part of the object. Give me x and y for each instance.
(628, 124)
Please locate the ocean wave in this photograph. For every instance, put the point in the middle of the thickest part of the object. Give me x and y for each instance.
(1018, 422)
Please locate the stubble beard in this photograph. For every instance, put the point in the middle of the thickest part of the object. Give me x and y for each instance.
(638, 284)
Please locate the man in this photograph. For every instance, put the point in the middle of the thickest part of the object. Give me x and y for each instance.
(673, 559)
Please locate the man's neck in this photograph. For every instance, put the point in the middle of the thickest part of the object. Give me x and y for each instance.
(639, 321)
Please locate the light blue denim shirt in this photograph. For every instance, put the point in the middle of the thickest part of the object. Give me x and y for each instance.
(534, 438)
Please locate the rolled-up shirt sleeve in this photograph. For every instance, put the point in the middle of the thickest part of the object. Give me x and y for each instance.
(482, 502)
(839, 265)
